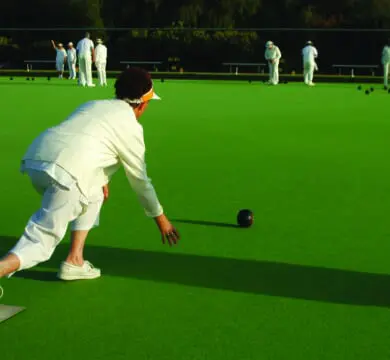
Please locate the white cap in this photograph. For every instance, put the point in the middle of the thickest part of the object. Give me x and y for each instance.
(60, 44)
(70, 44)
(268, 44)
(99, 41)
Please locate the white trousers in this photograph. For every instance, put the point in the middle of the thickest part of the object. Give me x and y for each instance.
(101, 70)
(47, 227)
(72, 70)
(308, 71)
(85, 71)
(274, 72)
(386, 74)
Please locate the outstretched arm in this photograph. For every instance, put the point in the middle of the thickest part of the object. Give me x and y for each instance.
(133, 160)
(53, 44)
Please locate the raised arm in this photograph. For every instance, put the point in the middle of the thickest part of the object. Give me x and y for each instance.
(53, 44)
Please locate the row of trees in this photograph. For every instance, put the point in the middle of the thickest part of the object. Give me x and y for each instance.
(196, 13)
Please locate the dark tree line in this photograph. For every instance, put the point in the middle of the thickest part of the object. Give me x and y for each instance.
(196, 13)
(197, 49)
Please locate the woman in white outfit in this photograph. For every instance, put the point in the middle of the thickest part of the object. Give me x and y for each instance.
(71, 164)
(60, 58)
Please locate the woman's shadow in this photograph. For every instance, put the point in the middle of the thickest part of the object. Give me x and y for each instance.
(238, 275)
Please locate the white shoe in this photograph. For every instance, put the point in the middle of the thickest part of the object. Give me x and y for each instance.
(73, 272)
(91, 85)
(311, 84)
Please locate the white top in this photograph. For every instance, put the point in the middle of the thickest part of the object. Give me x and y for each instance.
(72, 56)
(273, 54)
(90, 146)
(309, 54)
(61, 55)
(101, 53)
(386, 54)
(84, 47)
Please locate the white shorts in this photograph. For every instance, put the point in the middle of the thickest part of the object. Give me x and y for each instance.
(47, 226)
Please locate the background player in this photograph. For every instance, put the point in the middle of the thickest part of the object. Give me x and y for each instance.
(60, 58)
(386, 64)
(101, 62)
(309, 54)
(273, 56)
(72, 59)
(86, 56)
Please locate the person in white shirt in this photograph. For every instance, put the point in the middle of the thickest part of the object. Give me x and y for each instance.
(273, 56)
(60, 58)
(86, 56)
(101, 62)
(71, 164)
(72, 59)
(309, 54)
(386, 64)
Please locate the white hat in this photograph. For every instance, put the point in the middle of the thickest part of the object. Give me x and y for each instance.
(99, 41)
(60, 44)
(309, 43)
(269, 43)
(70, 43)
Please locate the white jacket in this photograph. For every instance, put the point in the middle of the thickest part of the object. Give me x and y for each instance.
(92, 144)
(309, 54)
(386, 55)
(101, 54)
(273, 54)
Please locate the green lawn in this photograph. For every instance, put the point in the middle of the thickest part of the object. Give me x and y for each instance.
(309, 281)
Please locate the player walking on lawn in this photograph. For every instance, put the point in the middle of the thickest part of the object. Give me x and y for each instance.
(273, 56)
(71, 164)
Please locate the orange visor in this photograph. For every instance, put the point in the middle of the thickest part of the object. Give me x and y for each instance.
(150, 95)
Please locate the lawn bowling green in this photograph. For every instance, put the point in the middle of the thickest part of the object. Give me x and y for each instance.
(308, 280)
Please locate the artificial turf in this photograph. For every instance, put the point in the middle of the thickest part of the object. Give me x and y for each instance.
(310, 279)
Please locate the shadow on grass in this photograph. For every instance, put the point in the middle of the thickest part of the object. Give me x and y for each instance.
(205, 223)
(247, 276)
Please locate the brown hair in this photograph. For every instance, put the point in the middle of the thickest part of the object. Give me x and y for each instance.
(132, 84)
